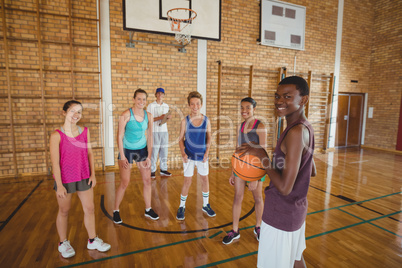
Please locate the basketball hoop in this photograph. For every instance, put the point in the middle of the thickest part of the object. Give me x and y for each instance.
(181, 22)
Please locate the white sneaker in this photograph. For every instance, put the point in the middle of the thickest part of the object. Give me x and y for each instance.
(66, 249)
(99, 245)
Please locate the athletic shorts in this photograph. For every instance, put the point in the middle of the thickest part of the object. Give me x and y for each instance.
(262, 179)
(279, 248)
(73, 187)
(202, 168)
(136, 155)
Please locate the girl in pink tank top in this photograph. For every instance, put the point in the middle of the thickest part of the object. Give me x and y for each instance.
(74, 171)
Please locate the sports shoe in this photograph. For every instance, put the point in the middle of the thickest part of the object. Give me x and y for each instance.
(180, 213)
(232, 235)
(66, 249)
(152, 175)
(257, 233)
(207, 209)
(116, 217)
(98, 244)
(165, 173)
(151, 214)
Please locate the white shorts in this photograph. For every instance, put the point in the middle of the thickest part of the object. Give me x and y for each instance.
(202, 168)
(279, 248)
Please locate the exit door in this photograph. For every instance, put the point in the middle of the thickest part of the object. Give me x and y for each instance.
(349, 120)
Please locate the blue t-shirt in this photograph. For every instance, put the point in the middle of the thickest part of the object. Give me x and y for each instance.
(134, 136)
(195, 139)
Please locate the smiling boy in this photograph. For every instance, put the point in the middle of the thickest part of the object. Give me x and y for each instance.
(282, 237)
(194, 142)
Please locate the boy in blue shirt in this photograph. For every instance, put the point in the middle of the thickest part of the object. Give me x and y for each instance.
(194, 142)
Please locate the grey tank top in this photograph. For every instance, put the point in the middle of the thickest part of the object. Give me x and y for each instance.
(251, 136)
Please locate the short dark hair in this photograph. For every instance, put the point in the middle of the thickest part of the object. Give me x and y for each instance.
(250, 100)
(140, 91)
(68, 104)
(194, 94)
(299, 82)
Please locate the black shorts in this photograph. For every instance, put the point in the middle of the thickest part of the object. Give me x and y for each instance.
(136, 155)
(73, 187)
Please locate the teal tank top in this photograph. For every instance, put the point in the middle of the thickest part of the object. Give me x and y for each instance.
(134, 136)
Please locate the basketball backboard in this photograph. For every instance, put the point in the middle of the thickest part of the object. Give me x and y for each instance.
(150, 16)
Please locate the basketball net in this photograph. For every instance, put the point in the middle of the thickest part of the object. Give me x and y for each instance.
(181, 22)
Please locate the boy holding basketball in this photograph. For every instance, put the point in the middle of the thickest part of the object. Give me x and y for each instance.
(194, 142)
(282, 237)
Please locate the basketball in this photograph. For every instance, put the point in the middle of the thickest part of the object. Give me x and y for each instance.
(248, 167)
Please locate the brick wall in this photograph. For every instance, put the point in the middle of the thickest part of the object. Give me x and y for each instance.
(385, 84)
(357, 39)
(65, 74)
(370, 54)
(149, 66)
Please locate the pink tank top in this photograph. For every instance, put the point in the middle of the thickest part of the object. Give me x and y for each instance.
(74, 164)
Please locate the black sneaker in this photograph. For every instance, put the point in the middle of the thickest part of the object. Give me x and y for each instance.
(165, 173)
(232, 235)
(151, 214)
(180, 213)
(116, 217)
(257, 233)
(152, 175)
(207, 209)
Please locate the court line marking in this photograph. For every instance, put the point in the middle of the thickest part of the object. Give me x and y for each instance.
(354, 203)
(382, 228)
(19, 206)
(354, 224)
(244, 255)
(102, 204)
(216, 234)
(134, 252)
(307, 238)
(228, 260)
(146, 249)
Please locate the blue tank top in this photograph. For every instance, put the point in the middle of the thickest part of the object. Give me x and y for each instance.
(134, 136)
(195, 140)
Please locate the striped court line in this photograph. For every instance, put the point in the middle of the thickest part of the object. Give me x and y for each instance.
(248, 227)
(354, 203)
(4, 223)
(307, 238)
(135, 252)
(371, 223)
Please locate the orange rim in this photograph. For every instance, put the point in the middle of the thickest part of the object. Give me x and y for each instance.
(182, 20)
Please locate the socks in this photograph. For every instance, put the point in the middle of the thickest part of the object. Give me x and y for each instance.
(116, 211)
(91, 240)
(183, 200)
(205, 198)
(148, 209)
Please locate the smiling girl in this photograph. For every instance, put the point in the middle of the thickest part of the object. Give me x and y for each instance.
(134, 139)
(74, 171)
(250, 131)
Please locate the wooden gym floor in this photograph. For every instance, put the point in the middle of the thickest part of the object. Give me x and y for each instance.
(354, 220)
